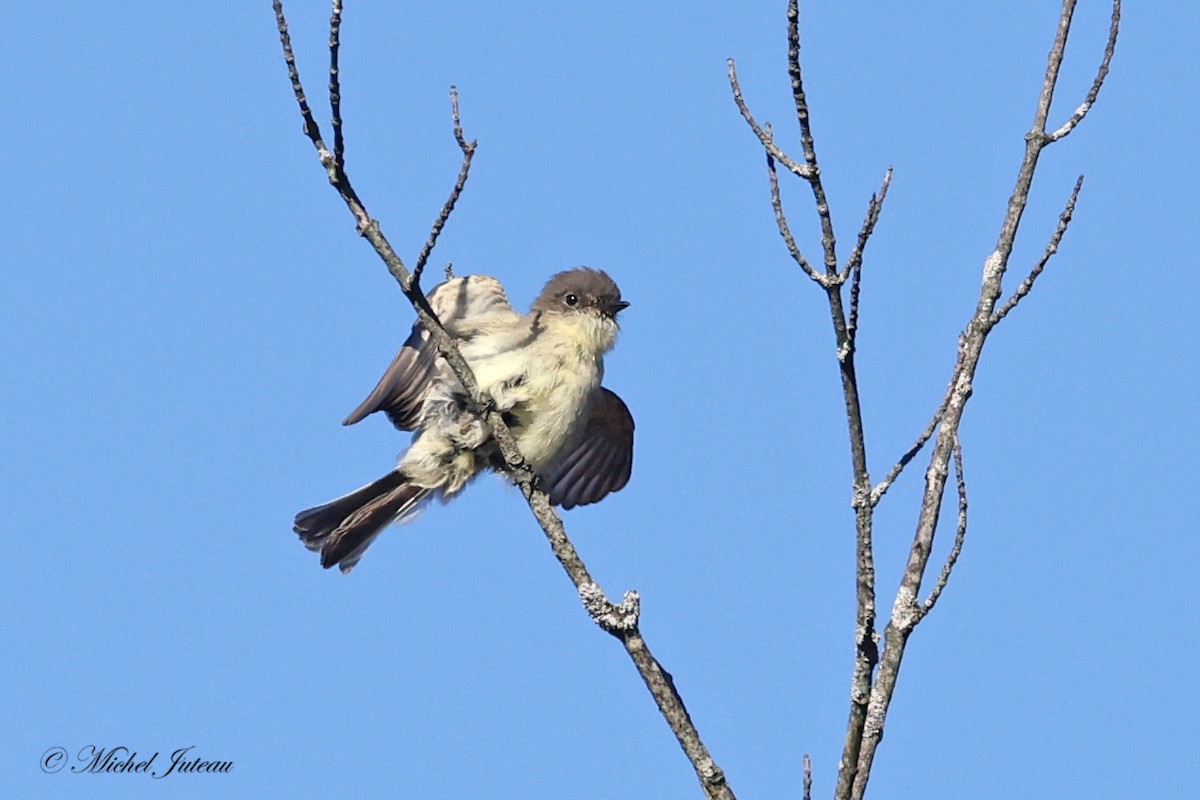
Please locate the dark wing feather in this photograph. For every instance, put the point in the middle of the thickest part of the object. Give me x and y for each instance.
(600, 459)
(572, 482)
(601, 474)
(401, 391)
(460, 304)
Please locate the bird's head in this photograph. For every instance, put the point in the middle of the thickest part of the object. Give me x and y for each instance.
(585, 296)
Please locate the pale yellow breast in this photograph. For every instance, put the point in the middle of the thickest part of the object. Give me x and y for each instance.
(546, 377)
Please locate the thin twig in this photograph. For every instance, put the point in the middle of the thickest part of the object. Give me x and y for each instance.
(468, 151)
(1064, 220)
(311, 129)
(828, 240)
(1101, 73)
(457, 120)
(764, 136)
(335, 91)
(874, 207)
(855, 262)
(855, 291)
(882, 487)
(960, 533)
(369, 228)
(782, 223)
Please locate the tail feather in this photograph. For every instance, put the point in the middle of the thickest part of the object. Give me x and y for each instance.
(342, 529)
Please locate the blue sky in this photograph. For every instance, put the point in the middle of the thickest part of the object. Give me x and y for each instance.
(187, 315)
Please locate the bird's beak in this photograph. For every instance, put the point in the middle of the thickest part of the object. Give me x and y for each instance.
(611, 309)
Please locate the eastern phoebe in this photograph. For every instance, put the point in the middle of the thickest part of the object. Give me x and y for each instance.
(542, 370)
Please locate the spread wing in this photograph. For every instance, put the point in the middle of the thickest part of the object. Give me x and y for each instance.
(462, 304)
(600, 459)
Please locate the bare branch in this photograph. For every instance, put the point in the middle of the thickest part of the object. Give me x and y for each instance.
(619, 620)
(1064, 219)
(828, 240)
(875, 673)
(335, 92)
(764, 136)
(866, 649)
(906, 612)
(1101, 73)
(960, 534)
(866, 653)
(882, 487)
(369, 228)
(311, 129)
(782, 223)
(662, 687)
(454, 115)
(468, 151)
(868, 227)
(855, 291)
(854, 263)
(997, 263)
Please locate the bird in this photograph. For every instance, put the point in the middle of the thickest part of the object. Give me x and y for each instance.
(543, 371)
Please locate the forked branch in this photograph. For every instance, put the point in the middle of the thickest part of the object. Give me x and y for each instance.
(764, 134)
(960, 534)
(875, 673)
(845, 333)
(906, 611)
(1064, 220)
(468, 151)
(853, 266)
(784, 230)
(1110, 47)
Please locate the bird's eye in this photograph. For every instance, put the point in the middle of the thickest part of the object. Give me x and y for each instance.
(571, 299)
